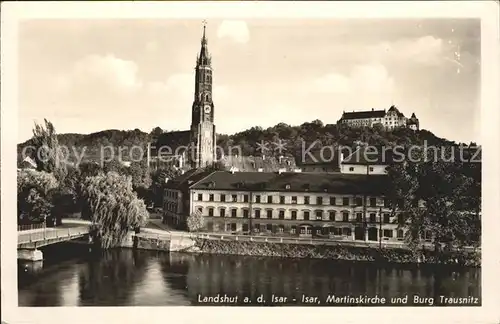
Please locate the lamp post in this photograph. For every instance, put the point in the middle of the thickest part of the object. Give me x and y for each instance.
(380, 228)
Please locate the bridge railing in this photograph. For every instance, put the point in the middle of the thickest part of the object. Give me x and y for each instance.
(29, 227)
(292, 240)
(267, 239)
(50, 233)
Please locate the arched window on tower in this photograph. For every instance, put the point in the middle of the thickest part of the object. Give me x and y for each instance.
(207, 97)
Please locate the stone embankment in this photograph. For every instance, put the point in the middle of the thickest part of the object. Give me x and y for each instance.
(351, 253)
(173, 241)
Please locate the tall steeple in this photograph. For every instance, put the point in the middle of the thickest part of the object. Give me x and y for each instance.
(203, 137)
(204, 57)
(204, 38)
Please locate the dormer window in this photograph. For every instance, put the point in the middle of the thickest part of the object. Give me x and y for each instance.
(211, 184)
(287, 186)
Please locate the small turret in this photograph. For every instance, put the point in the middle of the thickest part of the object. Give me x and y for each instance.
(413, 122)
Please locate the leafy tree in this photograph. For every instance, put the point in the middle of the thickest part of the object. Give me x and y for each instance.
(140, 174)
(35, 190)
(295, 136)
(44, 182)
(113, 207)
(114, 166)
(89, 169)
(442, 187)
(155, 132)
(195, 222)
(48, 155)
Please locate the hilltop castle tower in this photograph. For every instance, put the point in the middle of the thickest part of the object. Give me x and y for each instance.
(202, 133)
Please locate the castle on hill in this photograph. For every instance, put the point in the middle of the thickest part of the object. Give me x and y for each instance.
(389, 119)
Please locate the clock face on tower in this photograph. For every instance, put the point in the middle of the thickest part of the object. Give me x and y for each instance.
(207, 109)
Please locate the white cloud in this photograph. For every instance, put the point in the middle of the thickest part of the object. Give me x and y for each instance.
(105, 71)
(371, 78)
(426, 50)
(182, 83)
(234, 29)
(365, 86)
(332, 82)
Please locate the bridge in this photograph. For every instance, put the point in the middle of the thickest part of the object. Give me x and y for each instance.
(29, 239)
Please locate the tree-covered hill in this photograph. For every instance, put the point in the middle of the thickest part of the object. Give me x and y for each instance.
(298, 137)
(251, 142)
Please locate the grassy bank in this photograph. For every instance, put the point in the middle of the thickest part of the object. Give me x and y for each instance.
(402, 256)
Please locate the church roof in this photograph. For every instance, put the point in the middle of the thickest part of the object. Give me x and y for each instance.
(172, 143)
(254, 163)
(189, 178)
(363, 114)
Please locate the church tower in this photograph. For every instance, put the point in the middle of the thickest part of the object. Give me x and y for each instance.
(202, 137)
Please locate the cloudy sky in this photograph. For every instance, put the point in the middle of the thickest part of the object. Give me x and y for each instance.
(89, 75)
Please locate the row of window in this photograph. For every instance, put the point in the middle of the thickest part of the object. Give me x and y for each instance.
(351, 169)
(358, 201)
(307, 230)
(172, 194)
(306, 215)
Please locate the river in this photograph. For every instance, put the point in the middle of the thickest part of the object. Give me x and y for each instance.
(124, 277)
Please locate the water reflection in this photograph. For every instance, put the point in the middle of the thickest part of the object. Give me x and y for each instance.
(127, 277)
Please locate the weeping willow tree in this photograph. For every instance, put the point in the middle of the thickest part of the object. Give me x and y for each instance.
(113, 207)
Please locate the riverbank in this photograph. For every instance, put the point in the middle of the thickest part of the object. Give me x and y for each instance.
(160, 240)
(347, 253)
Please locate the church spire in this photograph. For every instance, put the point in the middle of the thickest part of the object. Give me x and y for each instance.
(204, 58)
(204, 38)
